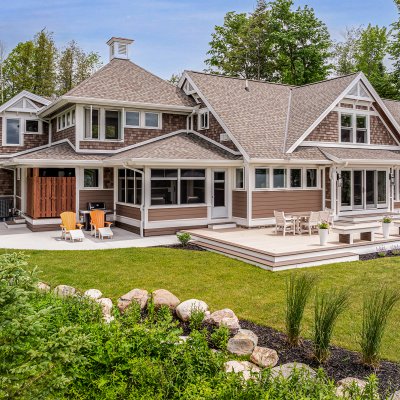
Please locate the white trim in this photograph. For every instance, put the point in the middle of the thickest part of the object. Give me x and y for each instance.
(353, 128)
(113, 103)
(342, 145)
(284, 161)
(20, 96)
(217, 117)
(200, 116)
(324, 114)
(99, 177)
(4, 130)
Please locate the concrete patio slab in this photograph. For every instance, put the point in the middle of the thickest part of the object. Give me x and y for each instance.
(24, 239)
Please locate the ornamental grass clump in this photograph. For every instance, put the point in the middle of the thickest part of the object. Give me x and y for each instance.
(196, 318)
(298, 290)
(328, 307)
(376, 311)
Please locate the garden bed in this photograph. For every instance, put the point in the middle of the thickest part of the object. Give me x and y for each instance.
(373, 256)
(341, 363)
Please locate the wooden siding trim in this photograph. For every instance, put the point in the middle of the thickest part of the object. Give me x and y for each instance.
(239, 203)
(93, 195)
(265, 202)
(129, 212)
(168, 214)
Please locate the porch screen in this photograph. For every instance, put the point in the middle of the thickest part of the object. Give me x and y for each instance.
(129, 186)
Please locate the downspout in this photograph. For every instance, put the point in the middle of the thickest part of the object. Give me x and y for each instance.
(126, 166)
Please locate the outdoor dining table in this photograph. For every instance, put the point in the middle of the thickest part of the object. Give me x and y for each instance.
(297, 217)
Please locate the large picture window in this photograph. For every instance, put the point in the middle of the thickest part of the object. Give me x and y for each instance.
(129, 186)
(173, 186)
(285, 178)
(112, 125)
(262, 178)
(91, 178)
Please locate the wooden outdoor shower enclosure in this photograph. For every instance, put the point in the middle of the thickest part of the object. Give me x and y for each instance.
(48, 197)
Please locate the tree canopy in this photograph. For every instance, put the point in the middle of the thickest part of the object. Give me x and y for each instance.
(39, 67)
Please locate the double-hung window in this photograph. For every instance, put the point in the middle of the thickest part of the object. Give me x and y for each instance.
(204, 118)
(112, 124)
(92, 126)
(353, 128)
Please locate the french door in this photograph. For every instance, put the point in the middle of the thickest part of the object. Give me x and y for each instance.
(363, 189)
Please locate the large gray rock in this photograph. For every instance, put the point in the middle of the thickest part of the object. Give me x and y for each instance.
(43, 287)
(264, 357)
(286, 370)
(244, 367)
(242, 343)
(395, 396)
(185, 309)
(344, 384)
(64, 291)
(162, 297)
(140, 296)
(225, 317)
(93, 294)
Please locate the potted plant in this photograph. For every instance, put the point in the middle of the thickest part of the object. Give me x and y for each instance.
(386, 222)
(323, 229)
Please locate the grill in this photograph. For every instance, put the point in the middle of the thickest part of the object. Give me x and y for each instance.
(5, 208)
(100, 205)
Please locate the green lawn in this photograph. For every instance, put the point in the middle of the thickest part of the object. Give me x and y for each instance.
(251, 292)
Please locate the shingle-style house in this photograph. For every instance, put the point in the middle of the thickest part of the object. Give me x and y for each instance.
(211, 150)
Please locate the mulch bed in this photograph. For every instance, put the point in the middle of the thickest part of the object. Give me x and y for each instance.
(373, 256)
(189, 246)
(342, 363)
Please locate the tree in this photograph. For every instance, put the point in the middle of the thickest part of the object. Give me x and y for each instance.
(175, 79)
(74, 66)
(344, 52)
(2, 58)
(394, 51)
(273, 43)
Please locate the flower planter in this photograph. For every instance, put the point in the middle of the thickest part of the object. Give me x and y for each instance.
(386, 229)
(323, 236)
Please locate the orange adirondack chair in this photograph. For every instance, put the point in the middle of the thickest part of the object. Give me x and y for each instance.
(68, 219)
(98, 221)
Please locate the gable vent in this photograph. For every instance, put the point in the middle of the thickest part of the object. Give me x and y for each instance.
(119, 48)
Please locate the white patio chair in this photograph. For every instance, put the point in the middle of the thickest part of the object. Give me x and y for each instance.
(283, 223)
(312, 223)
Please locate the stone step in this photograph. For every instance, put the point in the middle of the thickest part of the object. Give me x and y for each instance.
(15, 224)
(231, 225)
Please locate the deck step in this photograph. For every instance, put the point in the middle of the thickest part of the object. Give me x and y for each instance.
(230, 225)
(280, 265)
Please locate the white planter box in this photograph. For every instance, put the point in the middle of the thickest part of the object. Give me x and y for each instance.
(323, 236)
(386, 229)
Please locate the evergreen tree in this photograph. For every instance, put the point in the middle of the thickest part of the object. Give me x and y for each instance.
(394, 51)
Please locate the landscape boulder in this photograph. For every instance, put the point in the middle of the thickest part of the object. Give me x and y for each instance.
(395, 396)
(64, 291)
(264, 357)
(286, 370)
(344, 384)
(225, 317)
(140, 296)
(162, 297)
(43, 287)
(245, 367)
(93, 294)
(243, 343)
(185, 309)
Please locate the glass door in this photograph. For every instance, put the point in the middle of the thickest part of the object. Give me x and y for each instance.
(346, 190)
(358, 196)
(381, 189)
(219, 203)
(370, 189)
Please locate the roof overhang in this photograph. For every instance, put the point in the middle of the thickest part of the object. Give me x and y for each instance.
(288, 161)
(171, 163)
(63, 100)
(21, 95)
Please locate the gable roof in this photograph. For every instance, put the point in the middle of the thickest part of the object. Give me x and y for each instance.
(125, 81)
(256, 118)
(183, 146)
(25, 94)
(309, 102)
(394, 108)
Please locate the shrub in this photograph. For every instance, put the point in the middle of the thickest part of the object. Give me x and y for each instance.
(387, 220)
(298, 290)
(219, 337)
(395, 250)
(328, 307)
(376, 311)
(381, 251)
(196, 318)
(323, 225)
(184, 238)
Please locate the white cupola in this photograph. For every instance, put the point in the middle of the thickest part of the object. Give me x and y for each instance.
(119, 48)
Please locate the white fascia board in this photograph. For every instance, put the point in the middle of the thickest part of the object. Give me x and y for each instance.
(217, 117)
(236, 153)
(177, 162)
(350, 146)
(287, 161)
(49, 162)
(20, 96)
(323, 115)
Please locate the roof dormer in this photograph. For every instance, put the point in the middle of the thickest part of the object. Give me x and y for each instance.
(119, 48)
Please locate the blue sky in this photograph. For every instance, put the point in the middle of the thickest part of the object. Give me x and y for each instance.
(170, 35)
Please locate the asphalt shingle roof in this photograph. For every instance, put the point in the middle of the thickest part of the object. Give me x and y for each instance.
(361, 154)
(125, 81)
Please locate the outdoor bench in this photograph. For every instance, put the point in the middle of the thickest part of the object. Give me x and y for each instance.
(346, 233)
